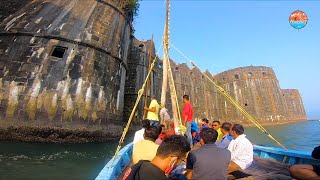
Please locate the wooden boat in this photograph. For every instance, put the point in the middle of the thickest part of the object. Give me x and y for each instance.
(268, 162)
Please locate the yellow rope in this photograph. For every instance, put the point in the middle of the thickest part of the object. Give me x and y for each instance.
(140, 93)
(240, 108)
(175, 91)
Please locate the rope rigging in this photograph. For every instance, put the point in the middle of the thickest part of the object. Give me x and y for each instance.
(140, 94)
(232, 101)
(175, 105)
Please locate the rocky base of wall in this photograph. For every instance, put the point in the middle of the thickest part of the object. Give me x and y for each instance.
(58, 135)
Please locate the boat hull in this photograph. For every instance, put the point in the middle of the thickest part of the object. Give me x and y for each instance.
(122, 161)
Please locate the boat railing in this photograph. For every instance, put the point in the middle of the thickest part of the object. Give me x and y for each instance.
(119, 163)
(285, 156)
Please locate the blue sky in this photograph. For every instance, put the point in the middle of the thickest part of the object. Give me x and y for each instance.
(221, 35)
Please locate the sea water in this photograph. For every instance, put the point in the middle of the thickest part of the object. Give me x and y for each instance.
(84, 161)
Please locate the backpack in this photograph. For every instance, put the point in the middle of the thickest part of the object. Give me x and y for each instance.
(131, 173)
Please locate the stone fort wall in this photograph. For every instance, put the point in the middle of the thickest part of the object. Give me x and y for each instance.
(63, 67)
(255, 88)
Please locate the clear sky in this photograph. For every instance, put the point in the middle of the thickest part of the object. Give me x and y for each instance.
(221, 35)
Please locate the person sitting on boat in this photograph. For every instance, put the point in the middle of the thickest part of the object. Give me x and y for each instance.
(138, 136)
(162, 135)
(241, 149)
(153, 111)
(216, 126)
(146, 149)
(208, 161)
(187, 116)
(170, 154)
(195, 134)
(171, 131)
(227, 138)
(204, 123)
(164, 117)
(304, 171)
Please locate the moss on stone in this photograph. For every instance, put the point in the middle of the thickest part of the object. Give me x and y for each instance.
(32, 108)
(50, 105)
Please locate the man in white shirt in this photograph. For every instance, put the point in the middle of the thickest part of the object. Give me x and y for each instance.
(241, 150)
(138, 136)
(164, 117)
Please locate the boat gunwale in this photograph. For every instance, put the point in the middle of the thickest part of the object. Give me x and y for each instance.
(119, 164)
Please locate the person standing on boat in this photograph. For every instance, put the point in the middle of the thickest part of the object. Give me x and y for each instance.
(200, 164)
(138, 136)
(146, 149)
(170, 154)
(241, 149)
(216, 126)
(187, 116)
(153, 112)
(226, 139)
(304, 171)
(164, 117)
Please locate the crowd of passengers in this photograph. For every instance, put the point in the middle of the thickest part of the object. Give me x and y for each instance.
(158, 153)
(210, 152)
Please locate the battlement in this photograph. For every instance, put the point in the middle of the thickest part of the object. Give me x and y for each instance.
(245, 73)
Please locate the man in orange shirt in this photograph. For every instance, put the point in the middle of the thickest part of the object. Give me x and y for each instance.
(187, 116)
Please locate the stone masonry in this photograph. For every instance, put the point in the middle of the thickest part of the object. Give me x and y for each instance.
(70, 71)
(255, 88)
(62, 70)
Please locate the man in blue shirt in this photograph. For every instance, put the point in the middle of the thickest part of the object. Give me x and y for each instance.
(226, 139)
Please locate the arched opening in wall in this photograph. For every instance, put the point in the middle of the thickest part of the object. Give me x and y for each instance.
(264, 74)
(176, 69)
(236, 76)
(249, 74)
(245, 104)
(202, 77)
(58, 51)
(141, 45)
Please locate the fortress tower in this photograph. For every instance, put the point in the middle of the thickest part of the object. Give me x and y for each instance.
(62, 68)
(256, 88)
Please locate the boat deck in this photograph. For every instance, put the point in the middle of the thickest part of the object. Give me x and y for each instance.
(261, 169)
(266, 169)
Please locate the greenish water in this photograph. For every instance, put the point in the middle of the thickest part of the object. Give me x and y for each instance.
(84, 161)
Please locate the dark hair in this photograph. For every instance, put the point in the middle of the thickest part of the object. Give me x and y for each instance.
(216, 121)
(186, 97)
(226, 126)
(205, 120)
(161, 125)
(145, 123)
(238, 128)
(209, 135)
(152, 132)
(176, 145)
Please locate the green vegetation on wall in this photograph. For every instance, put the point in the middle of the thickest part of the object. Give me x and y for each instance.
(131, 7)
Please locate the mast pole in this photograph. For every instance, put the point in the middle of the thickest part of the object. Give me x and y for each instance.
(165, 56)
(167, 74)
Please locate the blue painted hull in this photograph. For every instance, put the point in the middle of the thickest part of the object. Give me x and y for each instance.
(120, 163)
(286, 156)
